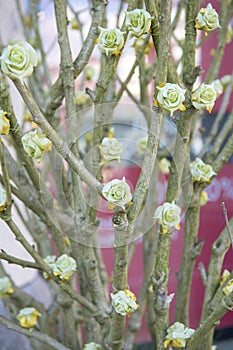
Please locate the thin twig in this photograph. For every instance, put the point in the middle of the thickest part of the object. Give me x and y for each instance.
(227, 222)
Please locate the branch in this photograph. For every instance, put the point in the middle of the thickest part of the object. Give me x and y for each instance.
(227, 223)
(23, 263)
(41, 337)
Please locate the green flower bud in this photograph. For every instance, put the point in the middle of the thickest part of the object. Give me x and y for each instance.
(5, 287)
(168, 216)
(178, 335)
(200, 171)
(110, 149)
(124, 302)
(204, 97)
(28, 316)
(4, 123)
(170, 97)
(138, 22)
(18, 60)
(117, 192)
(110, 41)
(207, 19)
(35, 144)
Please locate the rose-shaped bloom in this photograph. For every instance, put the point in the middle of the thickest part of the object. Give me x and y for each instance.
(5, 287)
(117, 192)
(178, 335)
(35, 144)
(204, 198)
(124, 302)
(65, 267)
(28, 316)
(2, 199)
(18, 60)
(204, 97)
(200, 171)
(218, 87)
(170, 97)
(4, 123)
(207, 19)
(110, 41)
(51, 261)
(228, 287)
(164, 166)
(138, 22)
(168, 216)
(141, 145)
(139, 43)
(110, 149)
(92, 346)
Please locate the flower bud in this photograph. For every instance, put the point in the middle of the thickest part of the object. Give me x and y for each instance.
(4, 123)
(110, 149)
(89, 72)
(51, 261)
(74, 24)
(204, 97)
(35, 144)
(207, 19)
(2, 199)
(200, 171)
(110, 41)
(28, 316)
(124, 302)
(170, 97)
(168, 216)
(178, 335)
(80, 98)
(164, 166)
(204, 198)
(18, 60)
(138, 22)
(117, 192)
(141, 145)
(5, 287)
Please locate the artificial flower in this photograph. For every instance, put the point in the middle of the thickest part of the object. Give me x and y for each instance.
(207, 19)
(64, 267)
(117, 193)
(5, 287)
(110, 41)
(200, 171)
(204, 198)
(35, 144)
(28, 316)
(92, 346)
(18, 60)
(204, 97)
(138, 22)
(4, 123)
(170, 97)
(168, 216)
(164, 166)
(124, 302)
(110, 149)
(178, 335)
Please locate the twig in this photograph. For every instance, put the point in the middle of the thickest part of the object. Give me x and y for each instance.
(23, 263)
(227, 222)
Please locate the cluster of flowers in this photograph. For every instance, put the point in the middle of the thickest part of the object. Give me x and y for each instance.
(63, 267)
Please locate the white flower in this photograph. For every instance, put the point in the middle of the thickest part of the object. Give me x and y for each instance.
(117, 192)
(142, 144)
(110, 41)
(2, 199)
(200, 171)
(64, 267)
(4, 123)
(110, 149)
(5, 287)
(80, 98)
(218, 87)
(204, 97)
(35, 144)
(225, 80)
(28, 316)
(18, 60)
(178, 335)
(138, 22)
(228, 287)
(92, 346)
(207, 19)
(124, 302)
(170, 97)
(164, 166)
(168, 216)
(51, 261)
